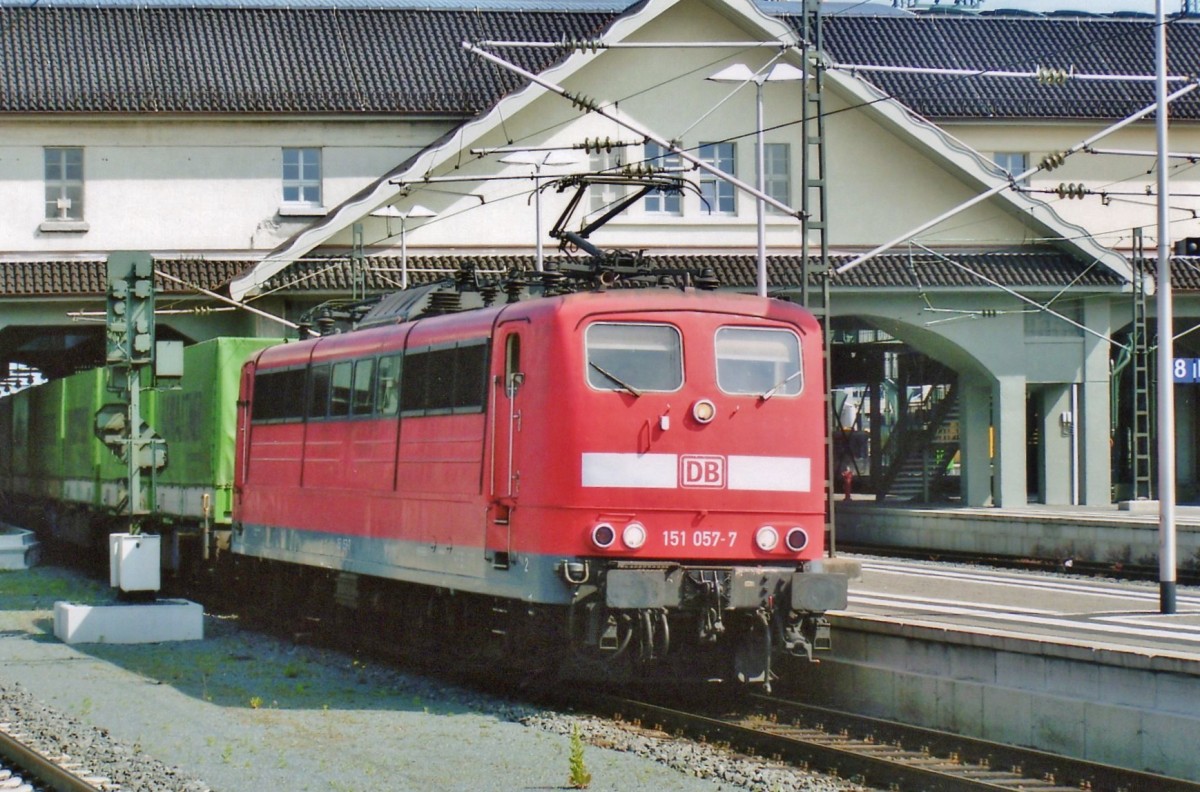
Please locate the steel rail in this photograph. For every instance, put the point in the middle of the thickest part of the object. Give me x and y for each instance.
(884, 754)
(48, 773)
(1037, 769)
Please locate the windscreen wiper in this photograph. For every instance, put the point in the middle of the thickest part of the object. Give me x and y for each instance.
(624, 385)
(779, 385)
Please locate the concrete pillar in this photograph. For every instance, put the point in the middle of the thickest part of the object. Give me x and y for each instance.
(1057, 430)
(1093, 421)
(1008, 398)
(975, 453)
(1095, 444)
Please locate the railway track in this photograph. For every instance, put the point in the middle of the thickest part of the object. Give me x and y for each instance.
(25, 769)
(881, 754)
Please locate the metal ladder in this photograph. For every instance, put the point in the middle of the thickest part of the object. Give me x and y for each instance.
(1143, 485)
(814, 289)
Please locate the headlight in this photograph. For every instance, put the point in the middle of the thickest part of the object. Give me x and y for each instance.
(704, 411)
(767, 538)
(797, 539)
(634, 535)
(603, 535)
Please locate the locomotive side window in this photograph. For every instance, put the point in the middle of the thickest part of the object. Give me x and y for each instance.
(470, 377)
(761, 361)
(445, 380)
(412, 390)
(318, 392)
(339, 395)
(439, 380)
(387, 391)
(364, 371)
(634, 357)
(278, 396)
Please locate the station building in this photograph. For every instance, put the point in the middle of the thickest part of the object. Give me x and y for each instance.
(982, 308)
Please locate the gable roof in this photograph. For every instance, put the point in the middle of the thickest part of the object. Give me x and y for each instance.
(265, 60)
(967, 165)
(997, 43)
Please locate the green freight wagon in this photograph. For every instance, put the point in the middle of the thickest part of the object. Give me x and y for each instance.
(67, 483)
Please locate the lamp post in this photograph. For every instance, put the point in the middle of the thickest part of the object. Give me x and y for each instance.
(741, 73)
(416, 211)
(539, 160)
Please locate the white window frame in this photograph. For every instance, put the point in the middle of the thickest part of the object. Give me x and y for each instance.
(302, 177)
(777, 174)
(1014, 163)
(719, 197)
(62, 168)
(603, 196)
(662, 202)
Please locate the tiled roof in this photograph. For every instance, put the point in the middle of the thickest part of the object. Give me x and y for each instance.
(87, 277)
(1033, 268)
(265, 60)
(142, 59)
(993, 43)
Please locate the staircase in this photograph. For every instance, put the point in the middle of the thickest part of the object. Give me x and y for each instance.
(921, 451)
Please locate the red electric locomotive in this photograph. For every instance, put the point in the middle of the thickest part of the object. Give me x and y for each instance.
(632, 476)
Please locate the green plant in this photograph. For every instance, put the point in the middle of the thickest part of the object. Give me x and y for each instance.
(580, 778)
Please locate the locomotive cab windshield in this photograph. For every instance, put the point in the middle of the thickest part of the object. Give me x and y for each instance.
(634, 357)
(762, 361)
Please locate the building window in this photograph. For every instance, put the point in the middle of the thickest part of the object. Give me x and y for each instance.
(777, 173)
(64, 183)
(719, 195)
(1014, 162)
(302, 176)
(663, 201)
(602, 196)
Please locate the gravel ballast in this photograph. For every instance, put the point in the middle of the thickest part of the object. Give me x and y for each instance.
(244, 711)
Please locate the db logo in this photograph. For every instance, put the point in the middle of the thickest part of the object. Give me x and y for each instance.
(702, 471)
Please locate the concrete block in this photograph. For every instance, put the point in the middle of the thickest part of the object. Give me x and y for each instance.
(1057, 725)
(960, 707)
(1113, 735)
(19, 548)
(162, 620)
(1071, 679)
(926, 657)
(973, 665)
(1020, 671)
(1123, 687)
(888, 651)
(1177, 693)
(1007, 716)
(916, 699)
(850, 645)
(1169, 745)
(871, 691)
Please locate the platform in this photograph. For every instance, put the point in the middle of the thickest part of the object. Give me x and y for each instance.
(1092, 534)
(1080, 667)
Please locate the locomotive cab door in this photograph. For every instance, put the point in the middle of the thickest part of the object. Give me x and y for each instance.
(504, 477)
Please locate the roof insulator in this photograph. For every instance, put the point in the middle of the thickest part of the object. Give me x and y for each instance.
(1071, 190)
(1052, 161)
(1050, 76)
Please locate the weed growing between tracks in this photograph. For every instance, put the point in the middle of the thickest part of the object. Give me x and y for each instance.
(580, 777)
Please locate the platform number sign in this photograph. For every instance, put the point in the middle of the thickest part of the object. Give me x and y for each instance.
(1186, 370)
